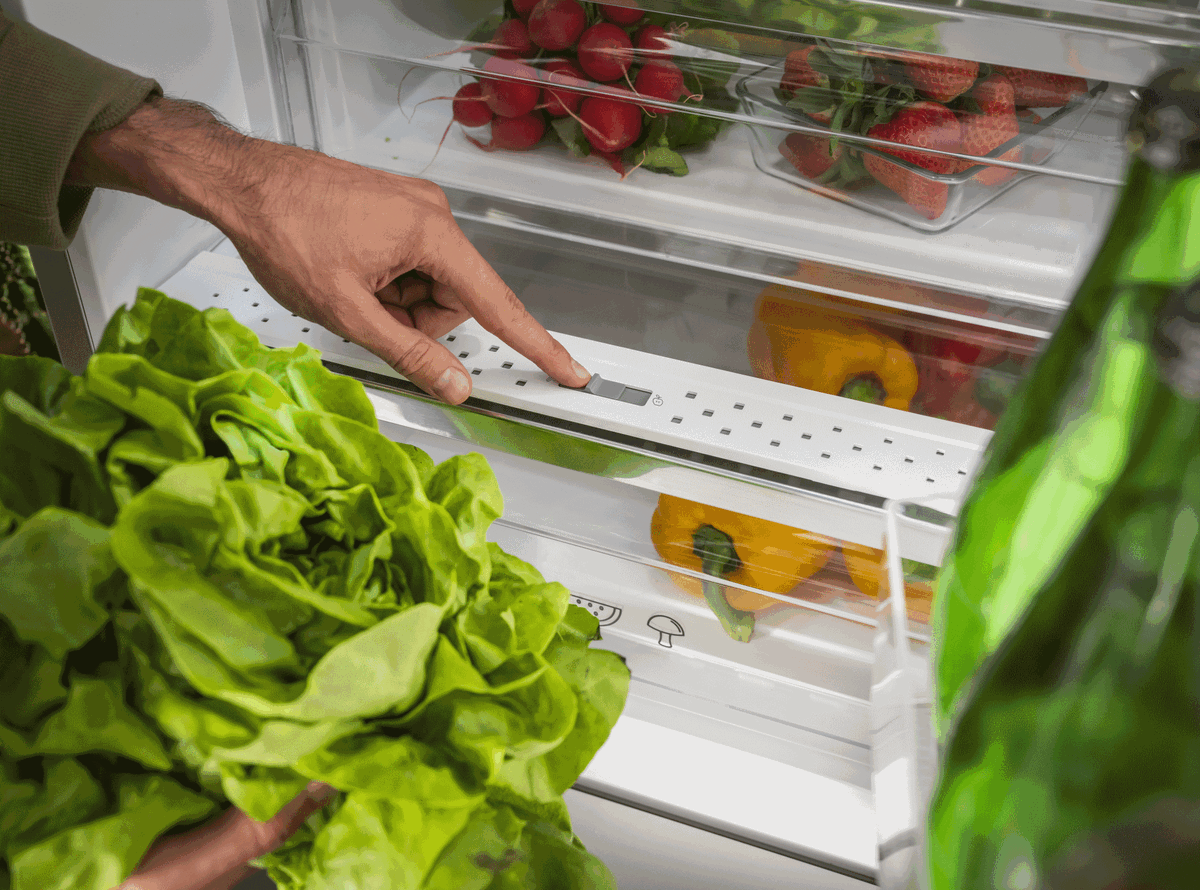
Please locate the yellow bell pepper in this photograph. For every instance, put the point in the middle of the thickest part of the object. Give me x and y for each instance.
(828, 350)
(722, 544)
(868, 571)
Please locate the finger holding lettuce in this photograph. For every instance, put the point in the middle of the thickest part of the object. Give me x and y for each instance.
(212, 543)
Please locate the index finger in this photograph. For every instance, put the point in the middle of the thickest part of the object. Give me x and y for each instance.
(455, 262)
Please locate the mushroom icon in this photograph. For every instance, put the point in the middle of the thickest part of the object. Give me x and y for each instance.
(667, 627)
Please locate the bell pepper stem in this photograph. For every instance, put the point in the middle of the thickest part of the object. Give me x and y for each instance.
(718, 558)
(864, 388)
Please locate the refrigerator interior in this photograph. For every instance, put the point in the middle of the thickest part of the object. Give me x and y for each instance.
(798, 749)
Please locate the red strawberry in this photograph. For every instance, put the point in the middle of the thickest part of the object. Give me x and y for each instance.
(996, 125)
(813, 156)
(1040, 89)
(940, 78)
(799, 75)
(920, 125)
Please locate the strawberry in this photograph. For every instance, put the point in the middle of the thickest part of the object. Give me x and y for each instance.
(920, 125)
(940, 78)
(798, 74)
(813, 156)
(1040, 89)
(995, 125)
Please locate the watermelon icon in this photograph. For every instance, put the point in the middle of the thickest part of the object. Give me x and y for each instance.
(607, 614)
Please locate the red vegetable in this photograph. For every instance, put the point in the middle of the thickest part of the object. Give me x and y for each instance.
(621, 15)
(514, 36)
(470, 109)
(515, 133)
(556, 24)
(652, 40)
(524, 7)
(560, 103)
(510, 98)
(605, 52)
(659, 80)
(610, 125)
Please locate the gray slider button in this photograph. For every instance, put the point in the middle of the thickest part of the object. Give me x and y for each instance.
(610, 389)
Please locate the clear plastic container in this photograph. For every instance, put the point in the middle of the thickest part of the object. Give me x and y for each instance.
(903, 747)
(922, 190)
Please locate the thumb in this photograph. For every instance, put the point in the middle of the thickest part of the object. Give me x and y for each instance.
(410, 352)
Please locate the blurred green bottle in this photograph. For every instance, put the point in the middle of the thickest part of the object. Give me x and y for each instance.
(1067, 621)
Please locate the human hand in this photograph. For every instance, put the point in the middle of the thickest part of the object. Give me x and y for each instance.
(216, 856)
(372, 256)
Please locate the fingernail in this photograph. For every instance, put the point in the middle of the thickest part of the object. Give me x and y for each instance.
(319, 792)
(579, 370)
(453, 386)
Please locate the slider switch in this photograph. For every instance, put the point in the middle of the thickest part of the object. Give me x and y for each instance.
(610, 389)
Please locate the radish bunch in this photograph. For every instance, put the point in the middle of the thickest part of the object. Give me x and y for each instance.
(544, 47)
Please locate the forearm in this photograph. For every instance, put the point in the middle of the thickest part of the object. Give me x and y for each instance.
(177, 153)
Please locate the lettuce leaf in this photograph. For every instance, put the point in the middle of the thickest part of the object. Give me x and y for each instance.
(223, 582)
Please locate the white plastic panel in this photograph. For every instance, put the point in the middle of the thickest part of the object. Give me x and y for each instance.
(784, 429)
(648, 852)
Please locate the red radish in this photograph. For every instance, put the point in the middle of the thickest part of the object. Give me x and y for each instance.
(652, 40)
(524, 7)
(605, 52)
(610, 125)
(511, 40)
(560, 103)
(515, 133)
(556, 24)
(620, 15)
(659, 80)
(510, 98)
(470, 109)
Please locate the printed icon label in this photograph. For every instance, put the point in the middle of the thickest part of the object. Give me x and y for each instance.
(606, 614)
(667, 628)
(658, 400)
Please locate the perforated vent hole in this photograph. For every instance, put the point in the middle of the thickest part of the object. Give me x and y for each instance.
(825, 454)
(787, 417)
(255, 305)
(876, 468)
(837, 429)
(690, 395)
(476, 371)
(708, 413)
(806, 435)
(463, 354)
(245, 290)
(738, 407)
(856, 448)
(305, 330)
(726, 431)
(451, 339)
(941, 454)
(887, 441)
(520, 383)
(774, 443)
(494, 349)
(908, 460)
(506, 365)
(676, 420)
(757, 424)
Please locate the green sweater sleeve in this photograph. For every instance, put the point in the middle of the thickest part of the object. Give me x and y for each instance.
(51, 94)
